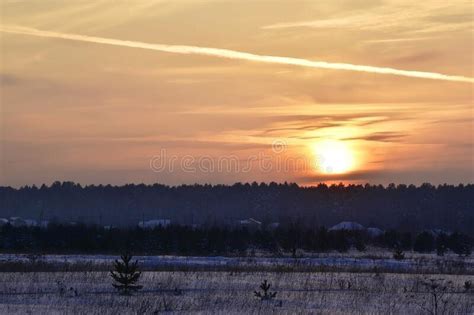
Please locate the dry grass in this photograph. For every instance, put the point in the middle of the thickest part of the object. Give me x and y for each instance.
(230, 292)
(354, 262)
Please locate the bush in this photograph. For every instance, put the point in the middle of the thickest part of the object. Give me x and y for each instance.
(398, 254)
(467, 285)
(265, 294)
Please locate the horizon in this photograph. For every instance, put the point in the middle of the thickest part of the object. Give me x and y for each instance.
(314, 185)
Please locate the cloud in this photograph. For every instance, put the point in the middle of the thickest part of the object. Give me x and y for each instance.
(397, 40)
(422, 17)
(321, 125)
(232, 54)
(385, 136)
(323, 23)
(416, 58)
(317, 122)
(8, 79)
(463, 120)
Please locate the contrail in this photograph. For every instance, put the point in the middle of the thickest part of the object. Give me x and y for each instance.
(232, 54)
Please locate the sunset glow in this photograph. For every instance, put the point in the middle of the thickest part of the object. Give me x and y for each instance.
(373, 92)
(334, 157)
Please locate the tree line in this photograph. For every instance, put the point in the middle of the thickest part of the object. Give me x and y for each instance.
(292, 239)
(405, 208)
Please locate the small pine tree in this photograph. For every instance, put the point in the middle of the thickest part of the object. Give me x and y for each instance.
(398, 254)
(266, 295)
(126, 274)
(467, 285)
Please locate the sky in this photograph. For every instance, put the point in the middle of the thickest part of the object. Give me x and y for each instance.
(177, 92)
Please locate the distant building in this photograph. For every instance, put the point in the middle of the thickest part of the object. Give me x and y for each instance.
(374, 232)
(437, 232)
(250, 222)
(30, 222)
(17, 221)
(348, 226)
(151, 224)
(273, 225)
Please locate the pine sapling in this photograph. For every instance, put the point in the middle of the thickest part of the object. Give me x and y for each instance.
(398, 254)
(266, 294)
(126, 275)
(467, 285)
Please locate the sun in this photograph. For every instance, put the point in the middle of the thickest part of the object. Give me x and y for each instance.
(333, 157)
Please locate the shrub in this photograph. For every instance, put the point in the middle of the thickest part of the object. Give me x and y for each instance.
(265, 293)
(467, 285)
(440, 301)
(398, 254)
(126, 275)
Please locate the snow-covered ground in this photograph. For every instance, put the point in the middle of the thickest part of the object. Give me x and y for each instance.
(382, 262)
(232, 293)
(329, 283)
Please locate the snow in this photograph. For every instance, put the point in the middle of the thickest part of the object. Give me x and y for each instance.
(228, 293)
(413, 263)
(150, 224)
(374, 232)
(346, 225)
(30, 222)
(18, 221)
(250, 221)
(273, 225)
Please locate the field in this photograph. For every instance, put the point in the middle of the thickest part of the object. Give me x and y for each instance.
(352, 261)
(231, 288)
(232, 292)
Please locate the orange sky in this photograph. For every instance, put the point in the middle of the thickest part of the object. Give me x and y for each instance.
(95, 113)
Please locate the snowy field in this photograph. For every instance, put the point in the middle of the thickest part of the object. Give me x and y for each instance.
(350, 262)
(232, 293)
(330, 283)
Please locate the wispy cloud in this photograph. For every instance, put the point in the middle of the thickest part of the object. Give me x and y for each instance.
(397, 40)
(287, 124)
(384, 136)
(422, 17)
(232, 54)
(8, 79)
